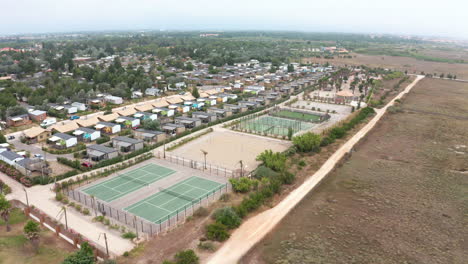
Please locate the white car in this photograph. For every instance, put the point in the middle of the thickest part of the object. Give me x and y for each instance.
(39, 156)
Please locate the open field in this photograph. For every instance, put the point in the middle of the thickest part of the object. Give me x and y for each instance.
(400, 198)
(412, 65)
(226, 148)
(15, 247)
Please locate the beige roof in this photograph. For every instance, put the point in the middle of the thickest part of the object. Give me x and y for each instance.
(144, 107)
(109, 117)
(211, 92)
(88, 122)
(174, 99)
(187, 97)
(204, 95)
(345, 93)
(33, 132)
(160, 103)
(127, 111)
(69, 126)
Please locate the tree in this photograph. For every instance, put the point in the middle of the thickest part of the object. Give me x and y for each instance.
(5, 210)
(151, 125)
(2, 138)
(290, 68)
(195, 92)
(31, 231)
(290, 133)
(83, 256)
(307, 142)
(186, 257)
(16, 110)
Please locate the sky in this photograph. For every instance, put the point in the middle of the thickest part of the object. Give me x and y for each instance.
(414, 17)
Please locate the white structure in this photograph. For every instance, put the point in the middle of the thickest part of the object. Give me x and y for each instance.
(79, 106)
(70, 109)
(63, 140)
(10, 157)
(113, 99)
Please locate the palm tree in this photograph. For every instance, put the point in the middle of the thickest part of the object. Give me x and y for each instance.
(5, 210)
(31, 231)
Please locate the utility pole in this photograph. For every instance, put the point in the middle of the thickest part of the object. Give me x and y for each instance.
(64, 209)
(204, 154)
(105, 241)
(27, 200)
(242, 168)
(136, 225)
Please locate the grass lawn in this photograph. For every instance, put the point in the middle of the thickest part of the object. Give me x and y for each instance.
(298, 115)
(15, 247)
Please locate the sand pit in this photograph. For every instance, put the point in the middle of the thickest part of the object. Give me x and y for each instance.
(226, 148)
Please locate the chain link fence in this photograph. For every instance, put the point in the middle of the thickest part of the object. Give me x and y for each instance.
(140, 225)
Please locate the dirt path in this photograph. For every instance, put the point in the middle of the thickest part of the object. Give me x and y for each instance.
(256, 228)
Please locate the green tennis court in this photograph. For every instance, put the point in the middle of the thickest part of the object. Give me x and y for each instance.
(273, 125)
(297, 115)
(168, 202)
(128, 182)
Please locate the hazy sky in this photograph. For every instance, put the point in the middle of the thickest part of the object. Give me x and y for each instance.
(421, 17)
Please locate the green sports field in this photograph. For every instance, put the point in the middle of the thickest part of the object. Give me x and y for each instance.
(128, 182)
(297, 115)
(273, 125)
(167, 203)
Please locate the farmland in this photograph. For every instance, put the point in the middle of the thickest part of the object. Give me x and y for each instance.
(401, 197)
(412, 65)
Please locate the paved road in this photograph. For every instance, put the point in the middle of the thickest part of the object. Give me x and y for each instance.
(36, 149)
(256, 228)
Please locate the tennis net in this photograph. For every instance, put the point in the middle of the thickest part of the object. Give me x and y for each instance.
(185, 197)
(140, 182)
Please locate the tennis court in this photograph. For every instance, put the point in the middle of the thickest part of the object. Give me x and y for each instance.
(128, 182)
(168, 202)
(273, 125)
(297, 115)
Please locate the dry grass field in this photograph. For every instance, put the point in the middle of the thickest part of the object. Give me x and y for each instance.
(400, 198)
(15, 247)
(412, 65)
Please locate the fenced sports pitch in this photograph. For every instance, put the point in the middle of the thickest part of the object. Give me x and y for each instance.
(128, 182)
(167, 203)
(271, 125)
(303, 116)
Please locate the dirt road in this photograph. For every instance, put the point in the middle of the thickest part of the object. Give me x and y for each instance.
(256, 228)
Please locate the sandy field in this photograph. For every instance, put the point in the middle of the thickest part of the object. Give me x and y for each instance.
(226, 148)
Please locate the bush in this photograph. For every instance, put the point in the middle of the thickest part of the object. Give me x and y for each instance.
(102, 140)
(241, 185)
(186, 257)
(126, 254)
(209, 246)
(225, 197)
(59, 196)
(307, 142)
(217, 232)
(264, 172)
(302, 163)
(273, 160)
(228, 217)
(129, 235)
(201, 212)
(86, 211)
